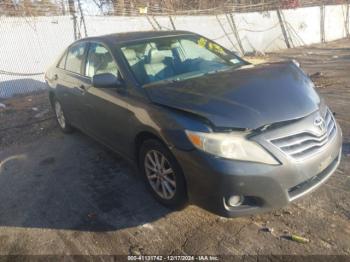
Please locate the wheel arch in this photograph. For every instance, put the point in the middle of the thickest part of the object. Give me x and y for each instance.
(142, 137)
(147, 135)
(52, 97)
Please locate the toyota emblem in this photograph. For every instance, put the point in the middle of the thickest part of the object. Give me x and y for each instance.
(320, 123)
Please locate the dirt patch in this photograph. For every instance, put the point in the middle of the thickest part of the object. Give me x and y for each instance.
(25, 118)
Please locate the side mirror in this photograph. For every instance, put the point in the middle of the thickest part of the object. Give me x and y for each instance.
(106, 80)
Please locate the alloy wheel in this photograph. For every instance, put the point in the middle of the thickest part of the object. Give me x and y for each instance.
(160, 174)
(60, 115)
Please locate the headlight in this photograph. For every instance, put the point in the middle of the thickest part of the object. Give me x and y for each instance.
(233, 145)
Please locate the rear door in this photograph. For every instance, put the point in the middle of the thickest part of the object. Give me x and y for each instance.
(70, 87)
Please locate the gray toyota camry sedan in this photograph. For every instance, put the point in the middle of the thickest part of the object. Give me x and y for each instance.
(202, 125)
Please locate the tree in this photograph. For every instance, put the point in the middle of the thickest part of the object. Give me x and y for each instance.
(30, 8)
(7, 7)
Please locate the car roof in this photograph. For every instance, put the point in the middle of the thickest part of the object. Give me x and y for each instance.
(134, 36)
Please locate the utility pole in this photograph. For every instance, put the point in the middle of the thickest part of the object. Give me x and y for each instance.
(63, 8)
(347, 20)
(322, 23)
(72, 12)
(82, 17)
(235, 31)
(172, 22)
(284, 31)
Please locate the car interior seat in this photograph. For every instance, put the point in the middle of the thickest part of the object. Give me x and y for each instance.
(136, 64)
(159, 65)
(106, 64)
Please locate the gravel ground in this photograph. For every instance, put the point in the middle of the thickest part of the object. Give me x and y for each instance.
(66, 194)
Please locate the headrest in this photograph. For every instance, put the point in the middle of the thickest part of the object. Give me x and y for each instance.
(156, 56)
(130, 54)
(108, 58)
(100, 50)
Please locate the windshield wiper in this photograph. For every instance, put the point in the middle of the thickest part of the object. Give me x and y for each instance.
(217, 70)
(232, 67)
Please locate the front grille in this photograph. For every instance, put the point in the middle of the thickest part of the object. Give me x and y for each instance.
(305, 144)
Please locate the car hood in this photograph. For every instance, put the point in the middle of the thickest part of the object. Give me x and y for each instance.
(249, 97)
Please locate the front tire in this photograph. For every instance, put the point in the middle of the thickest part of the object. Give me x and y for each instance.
(61, 118)
(162, 174)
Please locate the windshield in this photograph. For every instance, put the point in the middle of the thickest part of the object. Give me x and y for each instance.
(177, 58)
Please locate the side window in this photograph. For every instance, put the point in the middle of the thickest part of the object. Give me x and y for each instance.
(100, 61)
(75, 58)
(62, 62)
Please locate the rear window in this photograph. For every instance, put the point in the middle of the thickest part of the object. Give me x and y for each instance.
(62, 63)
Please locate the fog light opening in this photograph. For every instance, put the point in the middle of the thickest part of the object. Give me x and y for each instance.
(235, 201)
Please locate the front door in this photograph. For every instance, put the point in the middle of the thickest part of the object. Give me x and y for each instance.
(107, 108)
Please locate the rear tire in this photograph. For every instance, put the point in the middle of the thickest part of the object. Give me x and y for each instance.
(61, 118)
(162, 174)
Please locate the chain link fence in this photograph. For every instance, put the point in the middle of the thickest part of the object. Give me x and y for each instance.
(33, 34)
